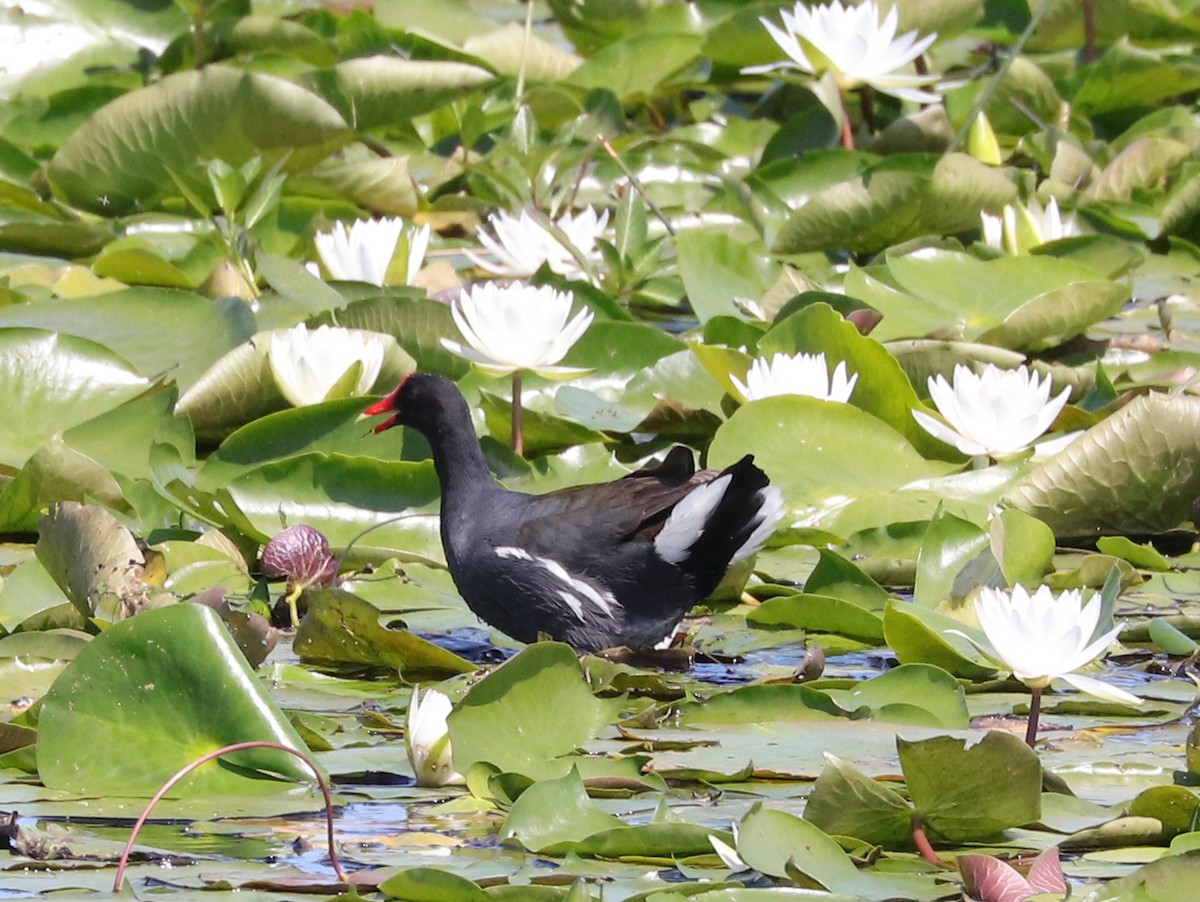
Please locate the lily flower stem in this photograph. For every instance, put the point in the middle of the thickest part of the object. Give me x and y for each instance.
(867, 99)
(921, 841)
(518, 439)
(847, 128)
(1035, 710)
(1089, 32)
(292, 597)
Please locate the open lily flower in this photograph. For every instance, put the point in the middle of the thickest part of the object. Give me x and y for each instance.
(521, 245)
(849, 47)
(1042, 637)
(796, 374)
(517, 328)
(328, 362)
(428, 739)
(1000, 412)
(1020, 228)
(363, 252)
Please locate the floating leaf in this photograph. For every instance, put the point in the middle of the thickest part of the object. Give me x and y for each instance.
(966, 794)
(53, 382)
(94, 559)
(342, 628)
(1136, 472)
(529, 715)
(120, 160)
(153, 693)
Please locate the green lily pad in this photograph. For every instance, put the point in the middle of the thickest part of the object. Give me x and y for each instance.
(342, 628)
(52, 382)
(965, 794)
(1136, 472)
(555, 815)
(818, 614)
(846, 802)
(529, 715)
(121, 158)
(920, 635)
(153, 693)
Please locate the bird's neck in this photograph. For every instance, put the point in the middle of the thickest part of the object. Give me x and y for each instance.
(458, 459)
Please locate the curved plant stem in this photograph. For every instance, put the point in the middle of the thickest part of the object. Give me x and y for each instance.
(204, 759)
(922, 842)
(518, 439)
(637, 186)
(1035, 710)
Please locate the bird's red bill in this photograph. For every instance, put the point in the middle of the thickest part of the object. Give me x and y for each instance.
(387, 405)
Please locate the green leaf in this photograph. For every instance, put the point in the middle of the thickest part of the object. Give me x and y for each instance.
(1137, 472)
(341, 496)
(53, 382)
(845, 802)
(718, 268)
(933, 695)
(836, 576)
(882, 388)
(529, 715)
(119, 160)
(1145, 556)
(158, 330)
(340, 627)
(917, 635)
(1170, 638)
(950, 544)
(431, 885)
(382, 90)
(1024, 547)
(970, 794)
(820, 453)
(636, 66)
(818, 614)
(555, 815)
(757, 704)
(153, 693)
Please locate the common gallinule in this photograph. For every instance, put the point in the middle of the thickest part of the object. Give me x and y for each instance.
(595, 566)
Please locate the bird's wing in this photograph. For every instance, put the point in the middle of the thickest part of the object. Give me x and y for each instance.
(589, 516)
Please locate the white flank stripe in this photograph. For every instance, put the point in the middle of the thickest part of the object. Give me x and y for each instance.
(573, 603)
(511, 551)
(688, 519)
(771, 512)
(585, 589)
(603, 600)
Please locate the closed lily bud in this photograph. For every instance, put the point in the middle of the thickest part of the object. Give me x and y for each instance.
(428, 739)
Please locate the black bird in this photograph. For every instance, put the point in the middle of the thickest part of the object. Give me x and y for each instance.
(595, 566)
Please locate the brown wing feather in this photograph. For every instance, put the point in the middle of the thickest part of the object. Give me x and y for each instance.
(634, 506)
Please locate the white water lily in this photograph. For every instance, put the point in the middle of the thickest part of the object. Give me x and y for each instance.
(521, 244)
(1042, 637)
(313, 366)
(428, 739)
(363, 252)
(997, 413)
(517, 328)
(796, 374)
(1019, 228)
(848, 47)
